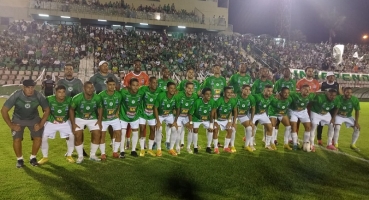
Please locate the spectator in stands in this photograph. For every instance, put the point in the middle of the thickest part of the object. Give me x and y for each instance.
(48, 86)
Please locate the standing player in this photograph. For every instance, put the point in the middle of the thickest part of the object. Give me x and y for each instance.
(58, 120)
(150, 93)
(162, 83)
(202, 112)
(85, 110)
(309, 80)
(238, 80)
(346, 104)
(110, 102)
(259, 84)
(163, 111)
(26, 102)
(226, 108)
(322, 104)
(298, 112)
(48, 86)
(326, 85)
(216, 83)
(184, 102)
(129, 114)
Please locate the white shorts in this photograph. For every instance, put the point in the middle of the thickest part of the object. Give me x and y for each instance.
(89, 123)
(134, 124)
(206, 124)
(302, 115)
(322, 119)
(262, 118)
(349, 121)
(279, 117)
(243, 119)
(222, 125)
(181, 121)
(150, 122)
(169, 119)
(115, 123)
(65, 129)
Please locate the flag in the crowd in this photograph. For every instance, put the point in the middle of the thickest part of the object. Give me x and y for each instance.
(337, 53)
(356, 55)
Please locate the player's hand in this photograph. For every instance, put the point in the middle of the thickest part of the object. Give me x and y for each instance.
(37, 127)
(332, 121)
(98, 123)
(175, 125)
(357, 126)
(229, 125)
(74, 127)
(158, 125)
(210, 129)
(251, 124)
(277, 96)
(15, 127)
(189, 127)
(234, 125)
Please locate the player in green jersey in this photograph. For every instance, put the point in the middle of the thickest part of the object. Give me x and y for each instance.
(245, 113)
(238, 80)
(190, 78)
(162, 83)
(226, 119)
(286, 81)
(85, 110)
(26, 102)
(259, 84)
(216, 83)
(262, 103)
(130, 110)
(278, 111)
(184, 102)
(346, 104)
(58, 120)
(163, 111)
(150, 93)
(202, 113)
(322, 104)
(110, 102)
(298, 112)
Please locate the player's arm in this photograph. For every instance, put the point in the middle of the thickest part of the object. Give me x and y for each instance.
(234, 117)
(45, 107)
(190, 113)
(156, 113)
(72, 116)
(177, 111)
(100, 113)
(117, 83)
(357, 113)
(253, 103)
(43, 85)
(9, 103)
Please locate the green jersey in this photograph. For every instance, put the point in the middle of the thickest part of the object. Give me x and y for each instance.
(244, 105)
(110, 104)
(262, 103)
(237, 81)
(299, 102)
(290, 84)
(86, 109)
(182, 85)
(164, 104)
(162, 84)
(26, 108)
(201, 111)
(259, 85)
(279, 107)
(215, 84)
(346, 106)
(184, 103)
(224, 109)
(130, 108)
(73, 86)
(148, 101)
(59, 111)
(99, 81)
(321, 104)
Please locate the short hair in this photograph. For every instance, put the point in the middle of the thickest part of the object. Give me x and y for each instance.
(48, 76)
(152, 78)
(189, 83)
(60, 87)
(87, 83)
(170, 83)
(347, 88)
(331, 90)
(133, 80)
(308, 67)
(227, 88)
(137, 60)
(216, 65)
(164, 68)
(284, 88)
(68, 64)
(245, 86)
(109, 80)
(190, 68)
(305, 85)
(268, 86)
(205, 90)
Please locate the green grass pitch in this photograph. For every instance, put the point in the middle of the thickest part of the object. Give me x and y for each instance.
(242, 175)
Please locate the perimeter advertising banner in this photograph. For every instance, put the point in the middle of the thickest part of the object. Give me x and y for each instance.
(299, 73)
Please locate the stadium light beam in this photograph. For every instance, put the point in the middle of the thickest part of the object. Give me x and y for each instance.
(181, 27)
(144, 24)
(101, 20)
(43, 15)
(128, 26)
(116, 25)
(66, 17)
(365, 37)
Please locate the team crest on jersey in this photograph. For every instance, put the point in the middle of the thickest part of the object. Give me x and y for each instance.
(205, 111)
(88, 108)
(264, 106)
(59, 111)
(133, 101)
(111, 104)
(243, 105)
(151, 99)
(302, 104)
(225, 110)
(344, 107)
(186, 104)
(27, 105)
(168, 105)
(283, 107)
(217, 84)
(327, 108)
(70, 89)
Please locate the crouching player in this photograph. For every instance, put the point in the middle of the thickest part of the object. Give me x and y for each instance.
(58, 120)
(346, 104)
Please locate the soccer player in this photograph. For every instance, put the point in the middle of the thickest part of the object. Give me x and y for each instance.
(184, 102)
(85, 110)
(346, 104)
(326, 85)
(216, 82)
(190, 77)
(238, 80)
(72, 84)
(259, 84)
(98, 79)
(201, 113)
(262, 103)
(163, 111)
(278, 111)
(26, 102)
(110, 102)
(226, 109)
(150, 93)
(309, 80)
(58, 120)
(322, 104)
(129, 114)
(48, 86)
(298, 112)
(245, 113)
(162, 83)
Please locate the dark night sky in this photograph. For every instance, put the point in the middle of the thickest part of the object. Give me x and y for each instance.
(260, 16)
